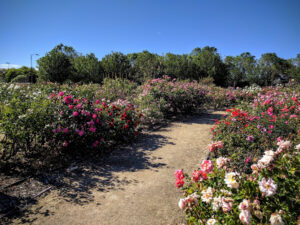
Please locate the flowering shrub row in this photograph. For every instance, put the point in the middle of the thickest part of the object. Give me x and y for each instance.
(253, 174)
(37, 118)
(217, 194)
(246, 133)
(75, 118)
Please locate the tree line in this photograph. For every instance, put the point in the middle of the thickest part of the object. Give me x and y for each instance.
(65, 64)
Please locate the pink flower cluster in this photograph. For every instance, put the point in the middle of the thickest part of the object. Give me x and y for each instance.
(215, 145)
(179, 178)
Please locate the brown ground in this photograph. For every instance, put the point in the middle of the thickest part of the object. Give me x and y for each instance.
(134, 185)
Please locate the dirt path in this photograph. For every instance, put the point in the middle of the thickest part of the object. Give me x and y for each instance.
(134, 185)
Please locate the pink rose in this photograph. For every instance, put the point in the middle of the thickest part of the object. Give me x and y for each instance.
(226, 204)
(179, 174)
(179, 183)
(95, 144)
(207, 166)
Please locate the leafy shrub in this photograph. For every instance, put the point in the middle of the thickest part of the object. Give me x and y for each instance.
(162, 99)
(35, 118)
(20, 78)
(114, 89)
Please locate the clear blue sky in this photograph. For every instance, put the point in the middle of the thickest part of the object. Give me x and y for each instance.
(160, 26)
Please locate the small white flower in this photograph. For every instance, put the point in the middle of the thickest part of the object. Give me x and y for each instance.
(269, 153)
(297, 147)
(22, 116)
(230, 180)
(207, 195)
(276, 219)
(211, 221)
(182, 203)
(217, 203)
(226, 192)
(265, 161)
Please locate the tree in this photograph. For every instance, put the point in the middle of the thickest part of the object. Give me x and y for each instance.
(23, 74)
(294, 70)
(116, 65)
(242, 70)
(56, 66)
(87, 69)
(208, 63)
(2, 75)
(172, 65)
(272, 67)
(145, 65)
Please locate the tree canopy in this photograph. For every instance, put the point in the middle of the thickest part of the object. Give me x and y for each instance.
(63, 63)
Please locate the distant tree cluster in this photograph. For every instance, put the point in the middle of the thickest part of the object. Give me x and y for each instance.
(23, 74)
(64, 64)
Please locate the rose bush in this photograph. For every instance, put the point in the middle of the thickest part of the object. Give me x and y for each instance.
(163, 98)
(269, 195)
(246, 132)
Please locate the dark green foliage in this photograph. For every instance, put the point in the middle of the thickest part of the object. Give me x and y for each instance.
(64, 64)
(87, 69)
(56, 66)
(145, 65)
(116, 65)
(14, 75)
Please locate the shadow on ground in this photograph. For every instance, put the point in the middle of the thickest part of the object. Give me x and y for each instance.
(206, 118)
(76, 183)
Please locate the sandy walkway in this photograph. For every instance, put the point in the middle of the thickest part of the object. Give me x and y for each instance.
(134, 185)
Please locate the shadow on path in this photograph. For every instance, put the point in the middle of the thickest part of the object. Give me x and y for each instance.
(76, 183)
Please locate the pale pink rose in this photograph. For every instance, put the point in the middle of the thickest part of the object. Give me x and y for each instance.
(182, 203)
(276, 219)
(265, 161)
(244, 205)
(227, 204)
(267, 187)
(245, 217)
(221, 161)
(254, 167)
